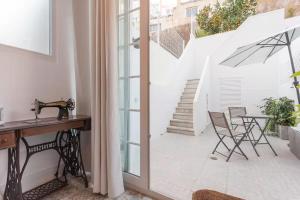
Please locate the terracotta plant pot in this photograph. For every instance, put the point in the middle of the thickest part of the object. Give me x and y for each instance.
(284, 132)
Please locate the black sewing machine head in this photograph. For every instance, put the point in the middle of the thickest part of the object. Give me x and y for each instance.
(63, 106)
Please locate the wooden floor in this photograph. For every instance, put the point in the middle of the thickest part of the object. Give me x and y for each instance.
(182, 164)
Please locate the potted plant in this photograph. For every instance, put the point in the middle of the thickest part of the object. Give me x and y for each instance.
(269, 108)
(285, 116)
(282, 110)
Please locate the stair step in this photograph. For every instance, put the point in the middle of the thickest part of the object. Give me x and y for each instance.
(184, 110)
(181, 123)
(193, 81)
(186, 105)
(180, 130)
(191, 86)
(190, 95)
(187, 100)
(183, 116)
(190, 90)
(187, 97)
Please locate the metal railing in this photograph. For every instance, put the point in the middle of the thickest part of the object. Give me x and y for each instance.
(172, 42)
(175, 39)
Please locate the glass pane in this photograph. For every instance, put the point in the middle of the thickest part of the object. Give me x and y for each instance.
(134, 160)
(134, 61)
(134, 4)
(122, 62)
(129, 86)
(122, 125)
(121, 94)
(121, 31)
(134, 93)
(134, 127)
(123, 138)
(134, 26)
(121, 6)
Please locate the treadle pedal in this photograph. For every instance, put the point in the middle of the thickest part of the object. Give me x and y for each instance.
(45, 189)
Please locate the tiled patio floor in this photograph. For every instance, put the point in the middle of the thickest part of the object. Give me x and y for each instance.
(182, 164)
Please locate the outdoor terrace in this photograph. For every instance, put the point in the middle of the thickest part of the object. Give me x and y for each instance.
(182, 164)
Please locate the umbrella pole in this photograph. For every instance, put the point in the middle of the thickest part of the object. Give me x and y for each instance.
(296, 82)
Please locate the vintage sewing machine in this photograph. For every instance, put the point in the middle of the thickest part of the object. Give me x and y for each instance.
(66, 142)
(63, 106)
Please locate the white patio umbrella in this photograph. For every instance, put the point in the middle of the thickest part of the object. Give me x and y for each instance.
(262, 50)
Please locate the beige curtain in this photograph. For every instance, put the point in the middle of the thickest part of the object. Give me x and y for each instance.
(106, 162)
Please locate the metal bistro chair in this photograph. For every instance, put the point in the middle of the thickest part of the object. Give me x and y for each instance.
(223, 131)
(235, 119)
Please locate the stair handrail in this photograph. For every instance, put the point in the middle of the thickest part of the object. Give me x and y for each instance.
(196, 102)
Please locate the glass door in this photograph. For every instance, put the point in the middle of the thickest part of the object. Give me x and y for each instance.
(133, 99)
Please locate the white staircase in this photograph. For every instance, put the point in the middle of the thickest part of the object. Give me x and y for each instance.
(182, 122)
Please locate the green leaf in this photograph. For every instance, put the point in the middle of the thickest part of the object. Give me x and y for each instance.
(296, 74)
(283, 110)
(224, 17)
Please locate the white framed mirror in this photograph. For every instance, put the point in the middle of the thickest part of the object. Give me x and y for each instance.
(26, 25)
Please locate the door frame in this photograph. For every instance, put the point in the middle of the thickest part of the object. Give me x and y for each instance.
(142, 183)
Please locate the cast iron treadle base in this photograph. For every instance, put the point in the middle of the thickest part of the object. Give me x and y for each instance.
(45, 189)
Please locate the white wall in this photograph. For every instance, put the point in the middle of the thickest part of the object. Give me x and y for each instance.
(168, 77)
(82, 71)
(200, 103)
(285, 82)
(25, 76)
(284, 70)
(206, 46)
(258, 81)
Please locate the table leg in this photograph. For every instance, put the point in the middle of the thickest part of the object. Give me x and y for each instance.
(69, 142)
(248, 130)
(261, 130)
(13, 189)
(263, 135)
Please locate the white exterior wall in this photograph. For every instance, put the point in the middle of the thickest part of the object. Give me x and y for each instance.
(200, 103)
(285, 82)
(258, 81)
(168, 77)
(284, 71)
